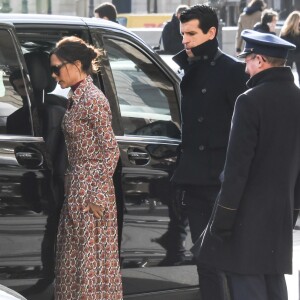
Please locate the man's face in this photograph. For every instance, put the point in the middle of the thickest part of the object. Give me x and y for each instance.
(251, 61)
(272, 25)
(193, 36)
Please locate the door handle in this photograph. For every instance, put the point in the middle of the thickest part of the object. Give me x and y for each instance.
(138, 156)
(29, 159)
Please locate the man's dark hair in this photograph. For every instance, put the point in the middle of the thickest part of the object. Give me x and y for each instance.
(205, 14)
(268, 15)
(107, 10)
(17, 74)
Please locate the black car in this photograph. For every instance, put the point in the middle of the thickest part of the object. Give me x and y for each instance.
(143, 92)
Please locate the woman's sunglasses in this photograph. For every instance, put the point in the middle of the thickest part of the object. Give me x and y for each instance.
(56, 69)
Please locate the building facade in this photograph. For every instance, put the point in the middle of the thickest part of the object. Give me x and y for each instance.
(229, 9)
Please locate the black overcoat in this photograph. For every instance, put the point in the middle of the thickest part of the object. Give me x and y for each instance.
(293, 56)
(261, 180)
(171, 36)
(209, 90)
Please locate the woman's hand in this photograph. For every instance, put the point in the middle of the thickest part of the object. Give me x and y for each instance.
(95, 209)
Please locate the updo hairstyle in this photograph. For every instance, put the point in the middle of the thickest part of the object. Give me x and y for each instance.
(72, 48)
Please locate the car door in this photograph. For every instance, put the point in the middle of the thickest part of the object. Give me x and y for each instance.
(25, 172)
(148, 135)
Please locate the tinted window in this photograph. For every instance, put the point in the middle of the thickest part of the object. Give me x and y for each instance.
(14, 104)
(146, 96)
(44, 40)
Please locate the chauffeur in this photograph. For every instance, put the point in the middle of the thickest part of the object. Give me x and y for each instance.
(250, 233)
(210, 86)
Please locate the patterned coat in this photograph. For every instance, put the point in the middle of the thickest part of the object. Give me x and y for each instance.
(87, 265)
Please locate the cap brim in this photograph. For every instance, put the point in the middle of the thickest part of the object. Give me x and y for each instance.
(244, 54)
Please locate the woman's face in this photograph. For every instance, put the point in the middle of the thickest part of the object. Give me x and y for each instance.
(66, 74)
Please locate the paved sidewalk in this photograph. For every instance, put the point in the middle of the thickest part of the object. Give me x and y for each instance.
(293, 280)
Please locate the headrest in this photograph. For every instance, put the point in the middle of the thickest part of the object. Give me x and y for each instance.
(39, 71)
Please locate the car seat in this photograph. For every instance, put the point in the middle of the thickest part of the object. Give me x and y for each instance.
(51, 109)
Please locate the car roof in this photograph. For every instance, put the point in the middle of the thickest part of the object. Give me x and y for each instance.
(19, 19)
(56, 19)
(44, 19)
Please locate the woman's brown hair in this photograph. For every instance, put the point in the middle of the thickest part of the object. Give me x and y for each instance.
(72, 48)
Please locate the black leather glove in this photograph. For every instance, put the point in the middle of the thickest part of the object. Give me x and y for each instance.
(219, 234)
(222, 222)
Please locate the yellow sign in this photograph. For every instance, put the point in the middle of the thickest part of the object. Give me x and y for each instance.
(143, 20)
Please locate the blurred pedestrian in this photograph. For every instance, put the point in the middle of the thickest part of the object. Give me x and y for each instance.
(171, 37)
(247, 19)
(208, 97)
(269, 18)
(106, 11)
(87, 262)
(250, 234)
(291, 32)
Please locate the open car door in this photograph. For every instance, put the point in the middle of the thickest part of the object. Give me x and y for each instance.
(26, 198)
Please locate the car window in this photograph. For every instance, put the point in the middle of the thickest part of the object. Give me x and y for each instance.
(146, 96)
(14, 104)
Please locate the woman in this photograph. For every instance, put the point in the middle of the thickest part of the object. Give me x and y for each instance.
(290, 31)
(87, 263)
(247, 19)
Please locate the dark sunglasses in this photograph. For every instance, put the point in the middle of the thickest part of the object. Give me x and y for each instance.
(56, 69)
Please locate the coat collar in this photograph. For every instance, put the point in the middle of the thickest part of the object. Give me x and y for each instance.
(272, 74)
(204, 52)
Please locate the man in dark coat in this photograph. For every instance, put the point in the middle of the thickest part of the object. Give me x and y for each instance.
(250, 234)
(171, 36)
(210, 86)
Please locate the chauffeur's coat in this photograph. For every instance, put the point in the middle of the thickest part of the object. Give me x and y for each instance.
(261, 180)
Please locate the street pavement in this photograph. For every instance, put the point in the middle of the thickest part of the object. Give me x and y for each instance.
(295, 75)
(293, 280)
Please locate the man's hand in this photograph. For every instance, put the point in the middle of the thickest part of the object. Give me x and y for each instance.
(219, 234)
(95, 209)
(222, 223)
